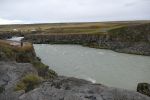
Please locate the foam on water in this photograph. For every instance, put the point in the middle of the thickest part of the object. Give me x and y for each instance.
(91, 80)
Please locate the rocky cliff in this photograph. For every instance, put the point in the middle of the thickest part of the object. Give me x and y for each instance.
(133, 39)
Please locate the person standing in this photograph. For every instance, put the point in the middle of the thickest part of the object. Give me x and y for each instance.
(21, 43)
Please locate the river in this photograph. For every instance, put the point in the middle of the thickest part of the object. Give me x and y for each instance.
(97, 65)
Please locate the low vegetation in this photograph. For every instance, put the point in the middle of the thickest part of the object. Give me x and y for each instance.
(24, 54)
(16, 53)
(29, 82)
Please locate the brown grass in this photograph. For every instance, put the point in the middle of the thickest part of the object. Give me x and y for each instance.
(26, 46)
(90, 28)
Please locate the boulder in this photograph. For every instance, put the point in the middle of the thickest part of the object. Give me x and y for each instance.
(144, 88)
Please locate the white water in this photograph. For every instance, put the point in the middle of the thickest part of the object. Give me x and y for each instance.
(96, 65)
(15, 38)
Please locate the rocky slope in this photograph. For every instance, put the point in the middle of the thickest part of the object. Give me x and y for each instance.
(64, 88)
(10, 74)
(61, 88)
(20, 70)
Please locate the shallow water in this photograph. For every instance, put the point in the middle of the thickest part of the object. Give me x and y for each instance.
(96, 65)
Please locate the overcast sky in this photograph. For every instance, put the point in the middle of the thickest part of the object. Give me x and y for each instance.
(51, 11)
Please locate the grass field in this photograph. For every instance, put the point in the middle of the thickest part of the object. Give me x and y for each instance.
(68, 28)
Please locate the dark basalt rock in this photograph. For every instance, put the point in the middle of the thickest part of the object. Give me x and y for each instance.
(144, 88)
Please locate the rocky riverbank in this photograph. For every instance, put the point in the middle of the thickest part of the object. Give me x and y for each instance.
(65, 88)
(10, 74)
(60, 88)
(130, 39)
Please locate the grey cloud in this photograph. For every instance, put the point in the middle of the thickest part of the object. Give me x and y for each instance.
(74, 10)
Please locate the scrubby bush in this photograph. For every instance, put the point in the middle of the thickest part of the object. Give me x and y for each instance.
(6, 52)
(16, 53)
(29, 82)
(43, 70)
(24, 57)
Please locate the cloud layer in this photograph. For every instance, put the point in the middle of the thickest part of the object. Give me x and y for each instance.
(74, 10)
(5, 21)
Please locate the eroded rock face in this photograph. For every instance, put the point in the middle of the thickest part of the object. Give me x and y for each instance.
(10, 74)
(64, 88)
(144, 88)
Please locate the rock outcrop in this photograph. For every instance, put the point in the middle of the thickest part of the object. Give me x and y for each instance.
(144, 88)
(10, 74)
(64, 88)
(134, 38)
(60, 88)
